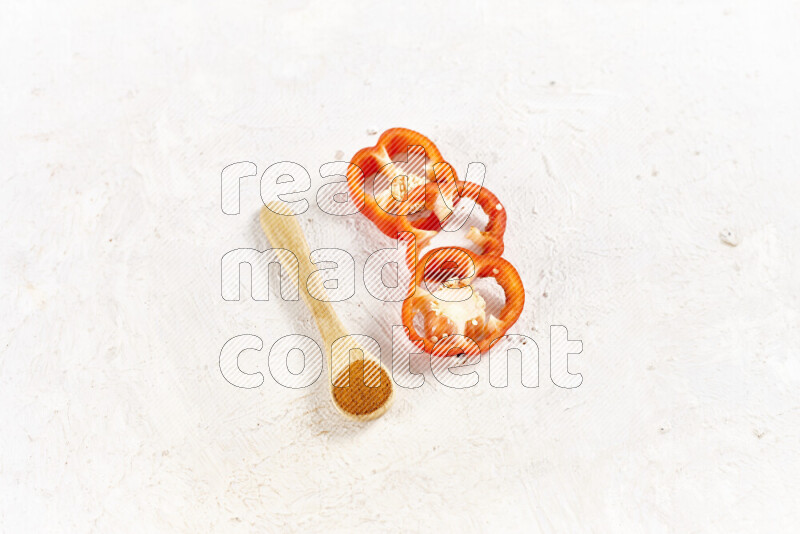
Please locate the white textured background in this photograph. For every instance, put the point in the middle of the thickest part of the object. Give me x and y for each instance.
(621, 137)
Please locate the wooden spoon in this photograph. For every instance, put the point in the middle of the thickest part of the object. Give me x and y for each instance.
(370, 390)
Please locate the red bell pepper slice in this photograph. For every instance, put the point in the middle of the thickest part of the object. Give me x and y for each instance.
(461, 327)
(386, 211)
(439, 197)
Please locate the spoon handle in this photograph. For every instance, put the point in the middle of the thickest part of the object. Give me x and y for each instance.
(284, 232)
